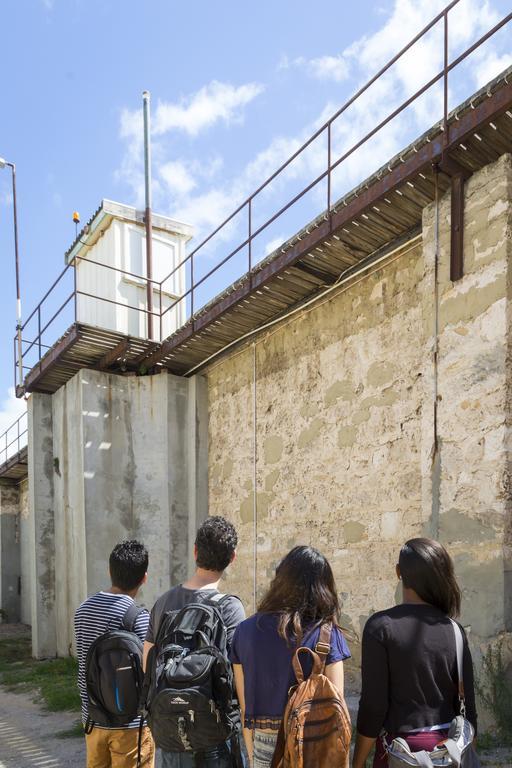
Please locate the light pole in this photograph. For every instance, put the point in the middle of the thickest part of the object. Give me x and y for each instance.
(3, 163)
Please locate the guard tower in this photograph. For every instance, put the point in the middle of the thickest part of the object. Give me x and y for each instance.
(113, 453)
(109, 257)
(96, 313)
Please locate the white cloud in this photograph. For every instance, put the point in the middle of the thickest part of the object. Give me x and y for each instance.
(213, 103)
(178, 177)
(273, 244)
(206, 210)
(10, 409)
(490, 67)
(335, 68)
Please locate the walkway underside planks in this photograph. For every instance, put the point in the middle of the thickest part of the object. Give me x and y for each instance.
(386, 207)
(15, 468)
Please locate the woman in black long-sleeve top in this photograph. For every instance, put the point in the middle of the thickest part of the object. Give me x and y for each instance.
(409, 661)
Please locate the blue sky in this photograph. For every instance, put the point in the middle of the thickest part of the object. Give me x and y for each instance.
(235, 89)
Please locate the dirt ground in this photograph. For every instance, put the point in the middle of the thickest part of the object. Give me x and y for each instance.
(28, 735)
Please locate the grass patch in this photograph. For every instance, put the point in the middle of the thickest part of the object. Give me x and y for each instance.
(75, 732)
(495, 691)
(54, 679)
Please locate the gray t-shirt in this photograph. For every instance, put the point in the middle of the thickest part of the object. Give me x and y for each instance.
(178, 597)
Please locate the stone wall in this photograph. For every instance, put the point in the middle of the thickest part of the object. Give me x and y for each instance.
(342, 445)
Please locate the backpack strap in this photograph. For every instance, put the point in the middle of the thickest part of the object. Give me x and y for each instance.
(217, 598)
(278, 756)
(459, 648)
(323, 646)
(130, 617)
(220, 598)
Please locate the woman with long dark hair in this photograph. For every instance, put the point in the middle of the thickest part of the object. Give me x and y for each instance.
(302, 597)
(409, 660)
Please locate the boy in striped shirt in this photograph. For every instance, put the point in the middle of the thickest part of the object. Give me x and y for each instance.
(114, 747)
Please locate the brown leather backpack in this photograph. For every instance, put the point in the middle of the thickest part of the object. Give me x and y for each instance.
(316, 730)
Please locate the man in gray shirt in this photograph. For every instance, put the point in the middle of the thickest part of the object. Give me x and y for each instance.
(214, 550)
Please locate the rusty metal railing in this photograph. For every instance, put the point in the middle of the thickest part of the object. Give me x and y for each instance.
(246, 210)
(14, 439)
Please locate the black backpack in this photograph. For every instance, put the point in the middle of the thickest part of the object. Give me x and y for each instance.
(189, 698)
(113, 674)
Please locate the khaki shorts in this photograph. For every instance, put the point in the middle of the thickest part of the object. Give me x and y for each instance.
(117, 748)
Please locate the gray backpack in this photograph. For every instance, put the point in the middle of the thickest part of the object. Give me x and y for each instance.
(456, 751)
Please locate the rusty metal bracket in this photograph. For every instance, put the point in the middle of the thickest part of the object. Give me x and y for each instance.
(458, 175)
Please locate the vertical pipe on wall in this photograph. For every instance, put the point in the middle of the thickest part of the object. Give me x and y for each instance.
(254, 479)
(436, 448)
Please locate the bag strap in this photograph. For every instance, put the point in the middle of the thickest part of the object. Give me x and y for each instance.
(323, 646)
(130, 617)
(220, 598)
(277, 757)
(459, 648)
(139, 742)
(217, 598)
(423, 758)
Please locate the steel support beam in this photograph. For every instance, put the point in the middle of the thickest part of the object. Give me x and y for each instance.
(110, 357)
(458, 175)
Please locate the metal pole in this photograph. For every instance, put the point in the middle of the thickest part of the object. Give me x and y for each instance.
(147, 218)
(17, 260)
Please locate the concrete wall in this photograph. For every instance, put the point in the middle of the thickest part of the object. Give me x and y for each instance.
(41, 532)
(128, 460)
(10, 553)
(26, 585)
(342, 441)
(15, 560)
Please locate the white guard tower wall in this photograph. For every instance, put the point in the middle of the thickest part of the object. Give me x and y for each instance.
(114, 296)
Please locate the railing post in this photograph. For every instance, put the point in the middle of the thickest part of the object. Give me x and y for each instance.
(39, 330)
(249, 233)
(329, 171)
(445, 80)
(192, 287)
(161, 310)
(74, 289)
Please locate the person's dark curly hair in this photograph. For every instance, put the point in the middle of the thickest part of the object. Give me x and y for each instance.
(216, 541)
(128, 563)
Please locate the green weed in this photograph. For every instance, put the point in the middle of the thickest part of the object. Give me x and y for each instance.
(495, 692)
(55, 679)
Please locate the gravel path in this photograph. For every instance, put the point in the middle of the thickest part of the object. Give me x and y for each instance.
(28, 735)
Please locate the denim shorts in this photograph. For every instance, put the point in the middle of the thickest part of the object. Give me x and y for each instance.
(264, 745)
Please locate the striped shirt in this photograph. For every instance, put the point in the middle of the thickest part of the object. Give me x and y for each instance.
(98, 613)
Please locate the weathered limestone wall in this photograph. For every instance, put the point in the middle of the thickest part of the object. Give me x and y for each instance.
(342, 442)
(474, 514)
(128, 460)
